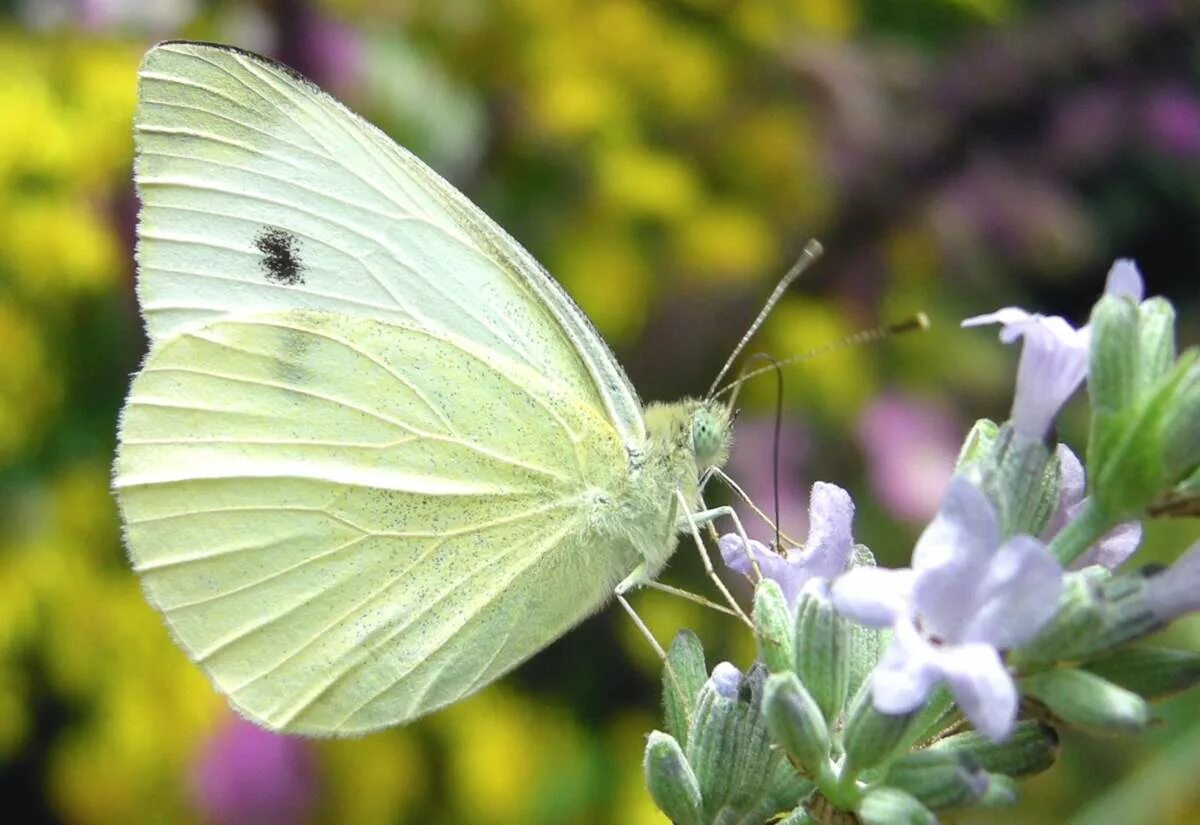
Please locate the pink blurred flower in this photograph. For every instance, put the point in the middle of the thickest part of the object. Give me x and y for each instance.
(911, 448)
(245, 775)
(1172, 121)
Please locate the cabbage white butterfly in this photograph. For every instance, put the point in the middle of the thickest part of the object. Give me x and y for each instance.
(376, 456)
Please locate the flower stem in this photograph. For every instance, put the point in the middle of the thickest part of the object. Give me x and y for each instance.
(1080, 533)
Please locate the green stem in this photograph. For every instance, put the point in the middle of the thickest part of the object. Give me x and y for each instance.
(1080, 533)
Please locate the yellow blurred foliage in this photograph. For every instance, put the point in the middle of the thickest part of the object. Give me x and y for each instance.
(29, 391)
(837, 382)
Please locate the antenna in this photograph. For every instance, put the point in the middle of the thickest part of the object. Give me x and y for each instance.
(812, 251)
(915, 323)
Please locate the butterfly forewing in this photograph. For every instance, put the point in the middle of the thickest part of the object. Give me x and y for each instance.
(261, 192)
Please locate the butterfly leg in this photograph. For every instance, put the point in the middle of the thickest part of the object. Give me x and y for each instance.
(668, 672)
(691, 522)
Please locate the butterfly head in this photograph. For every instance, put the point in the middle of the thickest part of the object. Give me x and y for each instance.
(711, 433)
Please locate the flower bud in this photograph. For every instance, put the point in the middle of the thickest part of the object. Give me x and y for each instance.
(1077, 620)
(1021, 481)
(821, 652)
(684, 673)
(1113, 355)
(1001, 792)
(890, 806)
(773, 626)
(1088, 702)
(672, 784)
(938, 779)
(728, 746)
(871, 738)
(1181, 421)
(1156, 341)
(796, 723)
(978, 445)
(1031, 748)
(1151, 672)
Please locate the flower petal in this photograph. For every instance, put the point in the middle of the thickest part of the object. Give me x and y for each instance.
(1018, 594)
(1113, 548)
(830, 515)
(906, 673)
(1010, 317)
(951, 558)
(1053, 364)
(726, 679)
(737, 557)
(874, 596)
(1071, 483)
(982, 686)
(1125, 279)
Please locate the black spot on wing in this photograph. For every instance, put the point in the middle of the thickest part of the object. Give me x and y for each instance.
(281, 256)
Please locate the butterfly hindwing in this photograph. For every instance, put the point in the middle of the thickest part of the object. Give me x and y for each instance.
(349, 522)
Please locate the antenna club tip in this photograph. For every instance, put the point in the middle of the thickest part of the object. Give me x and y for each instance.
(918, 322)
(814, 248)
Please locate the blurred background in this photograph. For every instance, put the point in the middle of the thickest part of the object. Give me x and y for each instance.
(666, 160)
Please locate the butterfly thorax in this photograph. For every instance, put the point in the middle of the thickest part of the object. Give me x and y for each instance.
(683, 439)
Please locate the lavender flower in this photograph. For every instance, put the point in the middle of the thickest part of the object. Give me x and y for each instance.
(245, 774)
(1175, 591)
(910, 446)
(1054, 358)
(1114, 547)
(966, 598)
(825, 554)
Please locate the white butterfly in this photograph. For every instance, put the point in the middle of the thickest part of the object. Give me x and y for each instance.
(376, 456)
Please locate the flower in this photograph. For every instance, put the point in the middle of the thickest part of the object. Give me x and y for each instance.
(966, 598)
(1175, 591)
(1054, 359)
(1113, 548)
(824, 555)
(726, 680)
(249, 775)
(910, 446)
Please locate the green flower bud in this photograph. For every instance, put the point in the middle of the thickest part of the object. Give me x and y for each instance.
(1151, 672)
(1080, 610)
(1031, 748)
(1135, 453)
(890, 806)
(1181, 421)
(822, 652)
(728, 746)
(938, 779)
(1156, 341)
(796, 723)
(773, 626)
(872, 738)
(684, 672)
(797, 817)
(866, 643)
(1113, 355)
(1001, 792)
(978, 445)
(672, 784)
(1088, 702)
(1021, 481)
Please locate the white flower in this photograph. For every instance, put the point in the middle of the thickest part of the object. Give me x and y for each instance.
(825, 554)
(966, 598)
(1054, 358)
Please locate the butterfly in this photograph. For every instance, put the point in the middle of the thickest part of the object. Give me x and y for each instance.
(376, 456)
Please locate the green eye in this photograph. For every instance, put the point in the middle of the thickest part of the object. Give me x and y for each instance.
(709, 434)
